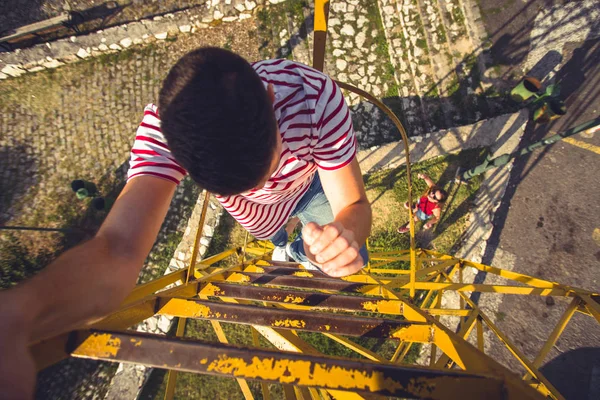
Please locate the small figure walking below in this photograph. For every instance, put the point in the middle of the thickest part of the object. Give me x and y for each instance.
(429, 207)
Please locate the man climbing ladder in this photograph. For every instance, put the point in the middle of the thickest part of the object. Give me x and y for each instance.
(272, 139)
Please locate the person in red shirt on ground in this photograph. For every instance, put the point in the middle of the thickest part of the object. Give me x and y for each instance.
(428, 207)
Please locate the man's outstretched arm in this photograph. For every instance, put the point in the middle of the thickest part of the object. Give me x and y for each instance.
(335, 246)
(83, 284)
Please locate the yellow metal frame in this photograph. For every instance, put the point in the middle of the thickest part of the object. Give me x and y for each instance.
(383, 294)
(404, 305)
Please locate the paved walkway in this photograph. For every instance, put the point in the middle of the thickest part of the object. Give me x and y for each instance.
(546, 223)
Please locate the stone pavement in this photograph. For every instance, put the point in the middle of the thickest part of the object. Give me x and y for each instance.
(78, 121)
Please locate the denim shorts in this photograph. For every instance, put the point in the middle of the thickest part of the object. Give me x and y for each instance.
(313, 207)
(420, 214)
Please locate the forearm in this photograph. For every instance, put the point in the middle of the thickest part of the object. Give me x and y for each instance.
(75, 289)
(428, 180)
(357, 218)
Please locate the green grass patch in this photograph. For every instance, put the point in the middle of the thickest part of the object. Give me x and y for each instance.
(388, 191)
(272, 20)
(421, 43)
(386, 70)
(441, 32)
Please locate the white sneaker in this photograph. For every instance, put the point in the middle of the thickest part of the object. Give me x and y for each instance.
(279, 254)
(305, 264)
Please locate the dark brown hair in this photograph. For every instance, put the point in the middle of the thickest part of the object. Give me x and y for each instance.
(218, 120)
(436, 188)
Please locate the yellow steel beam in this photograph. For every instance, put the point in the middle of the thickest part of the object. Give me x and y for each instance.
(506, 289)
(592, 306)
(356, 347)
(308, 371)
(320, 33)
(449, 312)
(223, 339)
(302, 393)
(181, 322)
(469, 358)
(288, 392)
(404, 347)
(480, 340)
(556, 332)
(401, 352)
(414, 332)
(464, 332)
(172, 374)
(526, 279)
(544, 386)
(141, 291)
(400, 127)
(263, 385)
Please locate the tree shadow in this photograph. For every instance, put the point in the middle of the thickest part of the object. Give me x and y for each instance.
(19, 169)
(569, 77)
(87, 20)
(16, 13)
(574, 373)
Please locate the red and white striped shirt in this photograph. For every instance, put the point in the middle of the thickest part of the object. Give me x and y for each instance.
(316, 132)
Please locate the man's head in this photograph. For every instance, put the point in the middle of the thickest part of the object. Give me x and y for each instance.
(218, 120)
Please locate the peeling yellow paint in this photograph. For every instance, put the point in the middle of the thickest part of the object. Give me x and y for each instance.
(383, 306)
(293, 299)
(370, 305)
(290, 323)
(211, 290)
(99, 345)
(136, 343)
(204, 361)
(304, 274)
(259, 270)
(306, 373)
(237, 277)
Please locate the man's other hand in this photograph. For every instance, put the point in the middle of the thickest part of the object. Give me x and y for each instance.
(332, 248)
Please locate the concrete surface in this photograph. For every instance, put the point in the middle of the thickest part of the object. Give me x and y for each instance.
(493, 132)
(545, 225)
